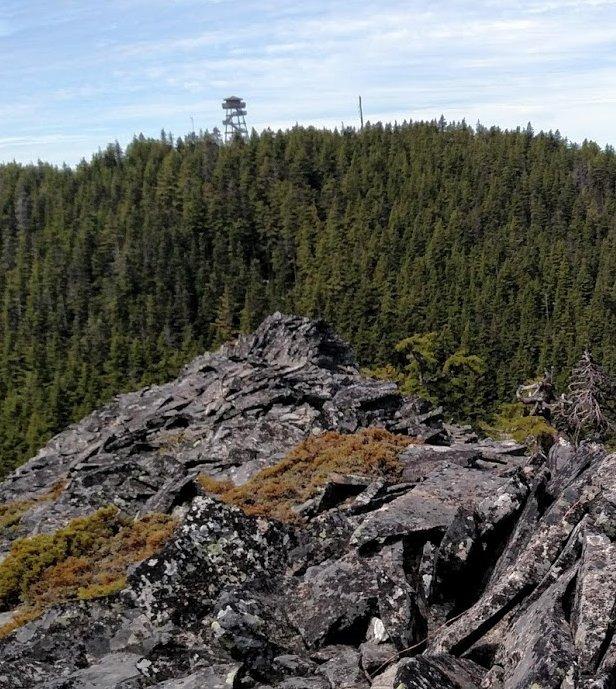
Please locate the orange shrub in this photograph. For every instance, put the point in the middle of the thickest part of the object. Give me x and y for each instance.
(85, 559)
(275, 491)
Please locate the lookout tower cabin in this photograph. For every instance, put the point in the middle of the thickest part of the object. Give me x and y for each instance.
(235, 118)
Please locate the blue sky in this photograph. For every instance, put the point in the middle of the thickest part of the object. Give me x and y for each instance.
(76, 75)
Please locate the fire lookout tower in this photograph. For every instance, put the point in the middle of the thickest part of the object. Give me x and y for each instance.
(235, 119)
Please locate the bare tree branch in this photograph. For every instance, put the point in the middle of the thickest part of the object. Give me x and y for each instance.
(539, 395)
(588, 409)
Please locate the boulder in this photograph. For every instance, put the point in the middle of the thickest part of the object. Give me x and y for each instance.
(431, 506)
(217, 677)
(342, 668)
(216, 546)
(376, 656)
(434, 672)
(113, 671)
(337, 600)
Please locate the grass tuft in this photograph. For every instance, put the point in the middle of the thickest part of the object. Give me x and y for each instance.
(12, 512)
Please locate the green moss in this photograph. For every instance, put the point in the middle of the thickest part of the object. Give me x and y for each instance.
(86, 559)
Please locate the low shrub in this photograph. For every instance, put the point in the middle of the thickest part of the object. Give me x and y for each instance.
(511, 422)
(86, 559)
(275, 491)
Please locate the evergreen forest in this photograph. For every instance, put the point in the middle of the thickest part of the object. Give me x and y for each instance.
(486, 255)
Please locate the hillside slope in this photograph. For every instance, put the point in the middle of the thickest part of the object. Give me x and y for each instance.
(116, 273)
(466, 564)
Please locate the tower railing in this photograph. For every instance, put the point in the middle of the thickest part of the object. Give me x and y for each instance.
(235, 118)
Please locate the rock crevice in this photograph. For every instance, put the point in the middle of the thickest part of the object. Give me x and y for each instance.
(480, 567)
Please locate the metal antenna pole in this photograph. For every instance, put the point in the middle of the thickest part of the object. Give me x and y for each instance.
(361, 115)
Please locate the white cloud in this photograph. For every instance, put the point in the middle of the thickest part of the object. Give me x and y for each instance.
(11, 141)
(122, 68)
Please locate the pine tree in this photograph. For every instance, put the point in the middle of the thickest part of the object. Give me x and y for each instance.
(116, 272)
(223, 325)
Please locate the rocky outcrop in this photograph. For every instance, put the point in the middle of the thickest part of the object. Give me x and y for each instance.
(230, 413)
(481, 568)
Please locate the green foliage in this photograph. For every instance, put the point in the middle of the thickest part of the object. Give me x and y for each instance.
(113, 275)
(462, 384)
(85, 559)
(429, 367)
(385, 372)
(511, 422)
(275, 491)
(422, 365)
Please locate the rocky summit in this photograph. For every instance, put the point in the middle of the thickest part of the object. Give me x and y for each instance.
(480, 565)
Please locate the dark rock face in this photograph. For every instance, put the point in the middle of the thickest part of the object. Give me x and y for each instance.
(482, 569)
(431, 672)
(215, 547)
(230, 413)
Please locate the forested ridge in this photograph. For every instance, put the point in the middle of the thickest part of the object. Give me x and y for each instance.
(115, 273)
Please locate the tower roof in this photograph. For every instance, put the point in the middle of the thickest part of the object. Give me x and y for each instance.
(233, 102)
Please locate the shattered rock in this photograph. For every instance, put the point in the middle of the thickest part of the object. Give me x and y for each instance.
(218, 677)
(480, 568)
(342, 669)
(434, 672)
(431, 506)
(230, 414)
(337, 600)
(376, 656)
(216, 546)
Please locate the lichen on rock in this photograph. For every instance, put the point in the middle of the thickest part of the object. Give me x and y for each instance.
(417, 555)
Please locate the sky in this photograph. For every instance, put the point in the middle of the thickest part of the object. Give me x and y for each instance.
(77, 74)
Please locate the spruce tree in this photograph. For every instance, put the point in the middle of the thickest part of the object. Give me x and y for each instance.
(116, 272)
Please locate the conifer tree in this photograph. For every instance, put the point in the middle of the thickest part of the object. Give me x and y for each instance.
(116, 272)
